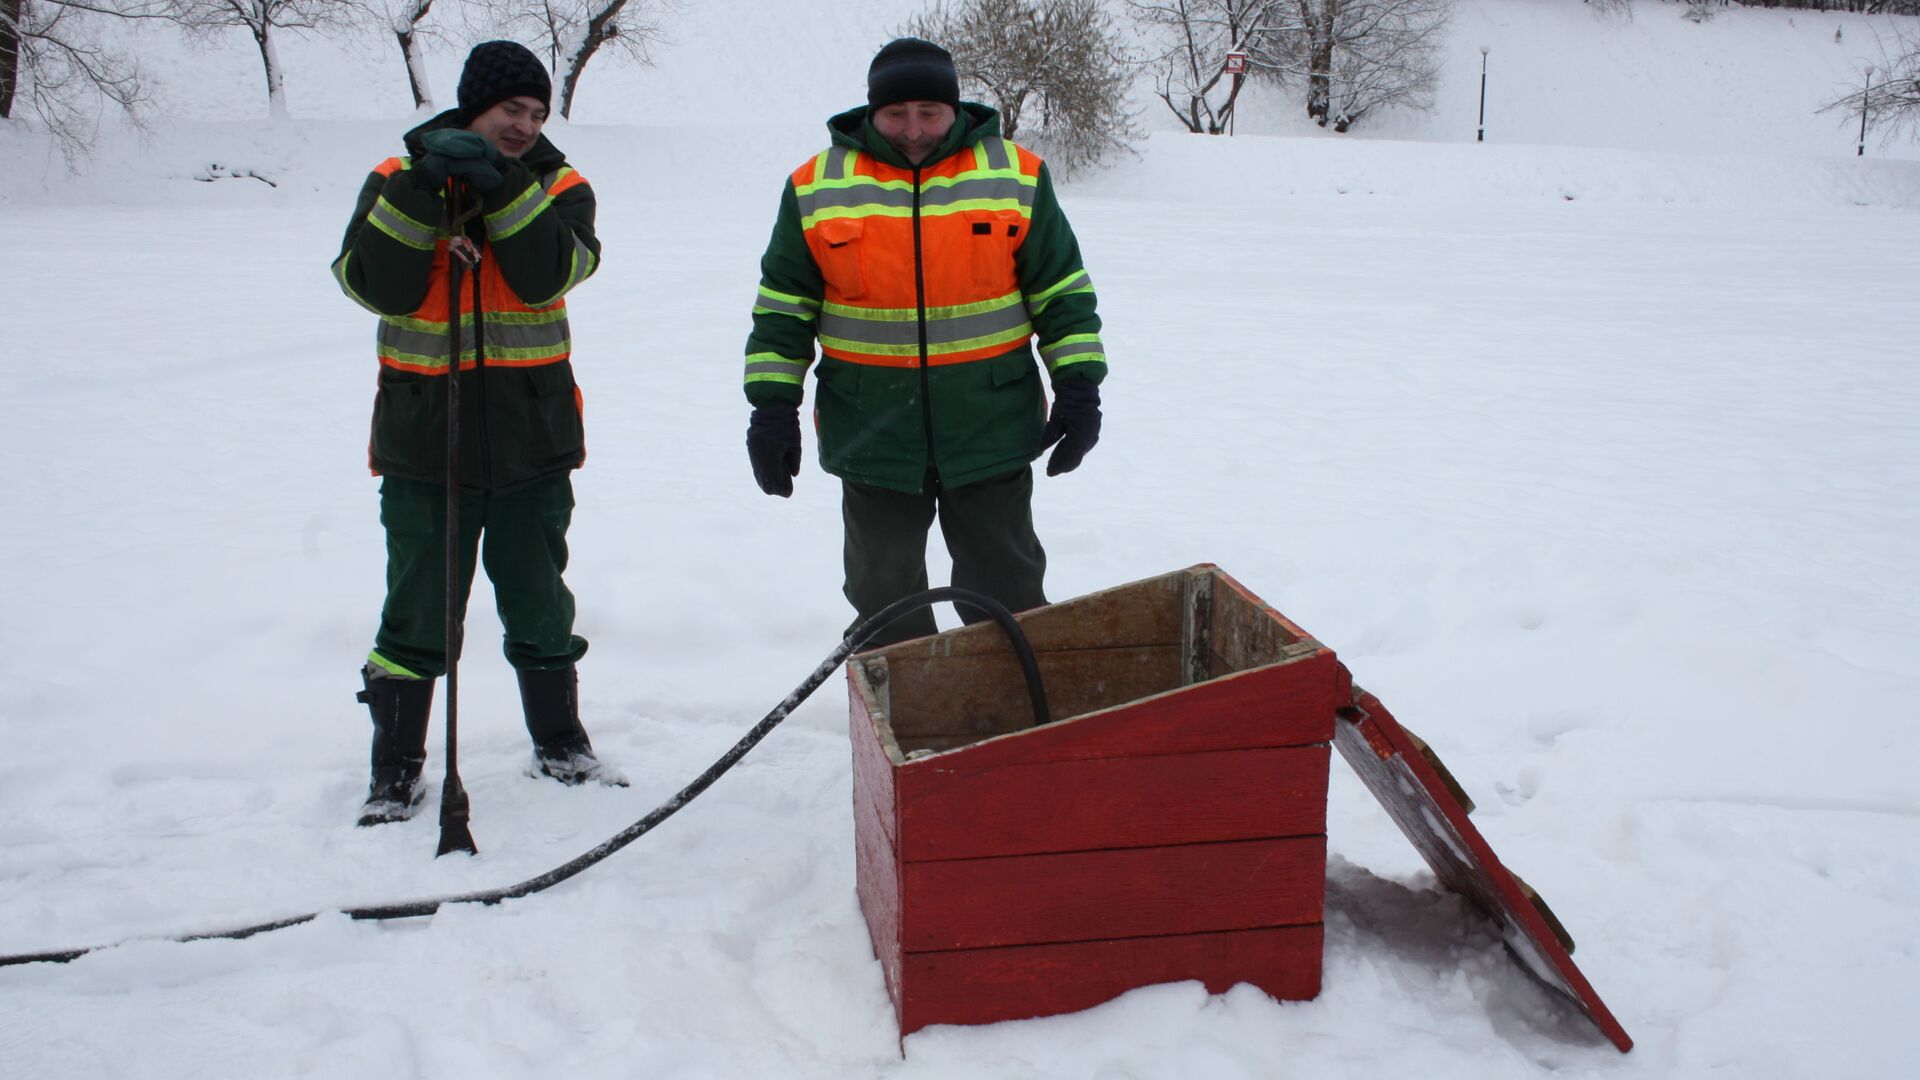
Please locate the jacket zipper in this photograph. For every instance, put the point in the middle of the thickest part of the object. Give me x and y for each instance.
(920, 299)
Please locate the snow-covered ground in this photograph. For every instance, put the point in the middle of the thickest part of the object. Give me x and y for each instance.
(1591, 450)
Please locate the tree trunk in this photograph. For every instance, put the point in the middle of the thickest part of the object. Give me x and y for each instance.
(11, 12)
(1320, 64)
(276, 87)
(600, 29)
(416, 73)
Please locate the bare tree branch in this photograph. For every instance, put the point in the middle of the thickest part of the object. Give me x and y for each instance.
(1062, 58)
(51, 61)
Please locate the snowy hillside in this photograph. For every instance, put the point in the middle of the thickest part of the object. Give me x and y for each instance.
(1589, 449)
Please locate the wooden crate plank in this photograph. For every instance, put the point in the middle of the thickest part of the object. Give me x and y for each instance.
(873, 766)
(1135, 892)
(877, 882)
(1245, 632)
(984, 986)
(1391, 765)
(986, 695)
(1289, 704)
(1081, 805)
(1145, 612)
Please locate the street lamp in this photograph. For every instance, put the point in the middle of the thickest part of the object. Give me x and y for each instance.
(1482, 136)
(1868, 89)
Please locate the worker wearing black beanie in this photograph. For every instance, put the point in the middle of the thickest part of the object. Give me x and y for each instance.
(496, 71)
(918, 261)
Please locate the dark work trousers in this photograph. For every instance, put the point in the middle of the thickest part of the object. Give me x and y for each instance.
(989, 532)
(522, 540)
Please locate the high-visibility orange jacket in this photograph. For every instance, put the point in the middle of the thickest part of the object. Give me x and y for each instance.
(520, 411)
(923, 288)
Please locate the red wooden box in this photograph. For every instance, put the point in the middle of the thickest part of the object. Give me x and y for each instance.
(1169, 824)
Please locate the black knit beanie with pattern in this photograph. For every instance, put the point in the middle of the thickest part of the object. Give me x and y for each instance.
(909, 69)
(498, 70)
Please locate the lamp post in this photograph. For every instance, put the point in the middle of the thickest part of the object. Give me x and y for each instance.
(1482, 135)
(1864, 92)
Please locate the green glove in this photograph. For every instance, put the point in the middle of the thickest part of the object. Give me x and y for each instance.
(458, 153)
(457, 143)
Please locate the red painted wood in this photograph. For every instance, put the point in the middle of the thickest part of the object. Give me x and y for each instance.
(878, 883)
(1136, 892)
(983, 986)
(1290, 704)
(1414, 795)
(965, 813)
(873, 770)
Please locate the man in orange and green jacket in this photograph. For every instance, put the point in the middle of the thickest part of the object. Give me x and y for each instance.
(531, 230)
(923, 253)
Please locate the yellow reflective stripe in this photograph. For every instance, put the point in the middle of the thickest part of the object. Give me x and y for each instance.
(1076, 282)
(517, 214)
(580, 269)
(389, 669)
(772, 367)
(390, 220)
(340, 275)
(1007, 337)
(773, 302)
(1072, 349)
(910, 314)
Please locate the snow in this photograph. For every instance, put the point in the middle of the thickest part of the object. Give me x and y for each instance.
(1590, 450)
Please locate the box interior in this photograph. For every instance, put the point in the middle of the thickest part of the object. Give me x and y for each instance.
(1095, 652)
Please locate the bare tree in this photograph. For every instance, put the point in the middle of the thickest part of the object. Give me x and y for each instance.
(572, 31)
(1893, 104)
(1358, 55)
(1060, 58)
(52, 62)
(402, 19)
(1188, 45)
(261, 18)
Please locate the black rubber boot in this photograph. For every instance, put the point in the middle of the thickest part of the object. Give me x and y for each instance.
(560, 745)
(399, 708)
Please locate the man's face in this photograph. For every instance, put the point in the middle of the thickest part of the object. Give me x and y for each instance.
(512, 125)
(915, 128)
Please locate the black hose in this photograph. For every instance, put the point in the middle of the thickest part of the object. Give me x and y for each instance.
(851, 644)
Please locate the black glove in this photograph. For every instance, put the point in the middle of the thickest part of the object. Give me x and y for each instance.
(773, 445)
(459, 153)
(1074, 424)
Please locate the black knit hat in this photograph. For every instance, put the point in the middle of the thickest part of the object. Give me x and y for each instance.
(498, 70)
(908, 69)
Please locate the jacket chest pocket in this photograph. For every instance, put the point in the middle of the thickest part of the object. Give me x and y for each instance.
(991, 238)
(837, 248)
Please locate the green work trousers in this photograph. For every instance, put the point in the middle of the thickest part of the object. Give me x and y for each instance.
(988, 527)
(521, 538)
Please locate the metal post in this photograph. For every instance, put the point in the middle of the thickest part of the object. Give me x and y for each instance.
(1482, 136)
(1864, 92)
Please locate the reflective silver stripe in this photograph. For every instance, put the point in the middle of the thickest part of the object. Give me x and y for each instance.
(777, 303)
(836, 322)
(513, 217)
(965, 188)
(1056, 355)
(773, 367)
(1076, 282)
(812, 202)
(997, 152)
(970, 189)
(839, 161)
(537, 338)
(385, 217)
